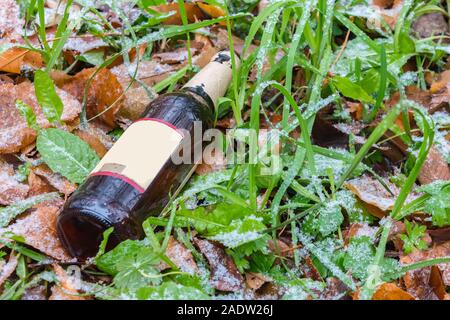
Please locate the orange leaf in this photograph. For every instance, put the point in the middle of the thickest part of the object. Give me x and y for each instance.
(13, 59)
(389, 291)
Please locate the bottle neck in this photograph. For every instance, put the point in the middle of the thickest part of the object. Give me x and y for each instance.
(213, 80)
(199, 94)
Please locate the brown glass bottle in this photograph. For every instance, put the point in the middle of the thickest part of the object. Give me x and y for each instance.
(135, 179)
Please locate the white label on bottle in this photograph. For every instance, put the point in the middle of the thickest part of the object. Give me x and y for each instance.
(140, 152)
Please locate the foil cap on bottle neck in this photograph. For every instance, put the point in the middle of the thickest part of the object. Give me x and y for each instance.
(214, 79)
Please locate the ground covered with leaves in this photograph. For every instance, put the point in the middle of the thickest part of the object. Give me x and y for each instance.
(357, 202)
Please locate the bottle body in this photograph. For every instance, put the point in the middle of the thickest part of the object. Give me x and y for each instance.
(109, 198)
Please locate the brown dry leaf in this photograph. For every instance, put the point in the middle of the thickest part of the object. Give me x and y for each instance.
(14, 60)
(15, 134)
(38, 228)
(34, 293)
(66, 288)
(93, 141)
(7, 269)
(137, 98)
(374, 196)
(434, 168)
(433, 100)
(224, 273)
(221, 42)
(355, 109)
(390, 291)
(11, 190)
(104, 95)
(206, 50)
(335, 289)
(96, 135)
(38, 185)
(211, 10)
(180, 256)
(10, 22)
(389, 11)
(174, 57)
(212, 162)
(357, 230)
(442, 85)
(255, 280)
(54, 179)
(77, 45)
(440, 235)
(194, 11)
(424, 283)
(281, 248)
(430, 24)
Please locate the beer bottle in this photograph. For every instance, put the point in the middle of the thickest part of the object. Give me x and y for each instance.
(137, 177)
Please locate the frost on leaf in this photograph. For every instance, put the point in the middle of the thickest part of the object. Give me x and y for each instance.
(224, 274)
(104, 94)
(15, 134)
(67, 287)
(375, 197)
(95, 134)
(421, 283)
(38, 228)
(180, 256)
(139, 94)
(434, 168)
(54, 179)
(10, 21)
(8, 268)
(11, 190)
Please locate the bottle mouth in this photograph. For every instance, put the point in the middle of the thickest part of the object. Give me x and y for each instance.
(81, 233)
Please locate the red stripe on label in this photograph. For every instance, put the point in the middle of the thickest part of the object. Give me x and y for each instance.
(161, 121)
(121, 177)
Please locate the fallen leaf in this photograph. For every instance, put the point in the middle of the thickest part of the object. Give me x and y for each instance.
(7, 269)
(93, 141)
(358, 230)
(54, 179)
(194, 11)
(34, 293)
(16, 59)
(137, 97)
(421, 283)
(180, 256)
(440, 235)
(104, 97)
(10, 22)
(255, 280)
(436, 98)
(224, 273)
(375, 197)
(38, 185)
(389, 11)
(221, 42)
(66, 288)
(212, 162)
(390, 291)
(38, 228)
(11, 190)
(174, 57)
(335, 289)
(429, 24)
(15, 134)
(434, 168)
(281, 248)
